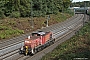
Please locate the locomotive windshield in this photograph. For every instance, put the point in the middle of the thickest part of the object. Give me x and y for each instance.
(39, 33)
(34, 34)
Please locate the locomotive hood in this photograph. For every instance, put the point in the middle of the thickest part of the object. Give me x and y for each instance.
(31, 41)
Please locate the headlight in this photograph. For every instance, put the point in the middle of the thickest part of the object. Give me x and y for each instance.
(27, 41)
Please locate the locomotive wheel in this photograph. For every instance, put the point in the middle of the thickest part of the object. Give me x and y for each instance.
(38, 49)
(48, 44)
(34, 51)
(42, 47)
(20, 52)
(53, 41)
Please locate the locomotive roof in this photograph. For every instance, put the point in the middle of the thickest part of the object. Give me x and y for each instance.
(41, 33)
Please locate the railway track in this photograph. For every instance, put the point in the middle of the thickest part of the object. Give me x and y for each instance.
(58, 30)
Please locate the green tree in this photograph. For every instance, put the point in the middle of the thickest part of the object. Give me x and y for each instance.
(2, 8)
(26, 8)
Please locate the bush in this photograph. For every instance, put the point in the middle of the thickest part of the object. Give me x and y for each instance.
(69, 11)
(2, 14)
(7, 33)
(37, 13)
(2, 36)
(3, 28)
(15, 14)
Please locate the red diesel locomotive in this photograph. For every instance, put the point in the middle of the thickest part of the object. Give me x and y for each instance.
(36, 42)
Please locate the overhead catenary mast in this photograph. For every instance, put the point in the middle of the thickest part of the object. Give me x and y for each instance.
(32, 21)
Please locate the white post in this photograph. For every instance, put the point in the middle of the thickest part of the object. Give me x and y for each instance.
(48, 18)
(74, 11)
(28, 37)
(47, 22)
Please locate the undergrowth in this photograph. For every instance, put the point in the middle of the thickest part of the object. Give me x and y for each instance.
(8, 32)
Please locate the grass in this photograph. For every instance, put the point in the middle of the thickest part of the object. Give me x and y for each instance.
(8, 32)
(76, 47)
